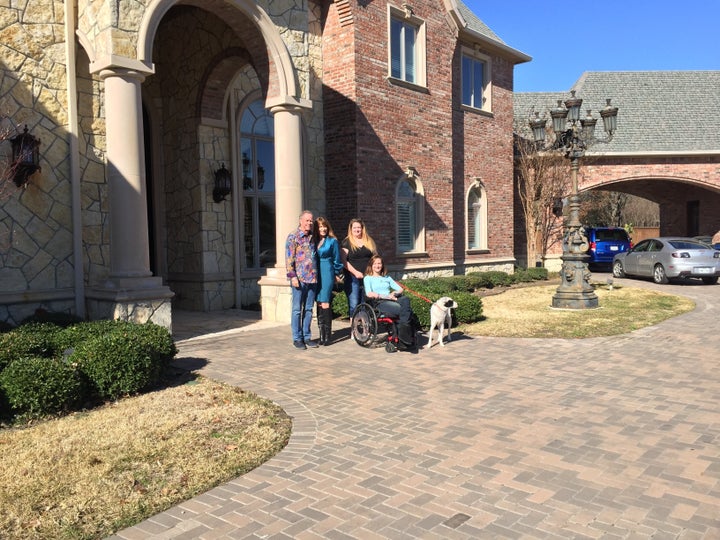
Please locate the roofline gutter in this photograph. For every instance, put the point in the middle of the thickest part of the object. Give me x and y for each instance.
(664, 153)
(517, 56)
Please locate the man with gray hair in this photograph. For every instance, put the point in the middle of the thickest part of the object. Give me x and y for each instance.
(302, 272)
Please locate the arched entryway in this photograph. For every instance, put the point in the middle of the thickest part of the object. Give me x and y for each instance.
(214, 62)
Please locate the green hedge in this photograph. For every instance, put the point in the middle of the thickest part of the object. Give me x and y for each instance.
(127, 360)
(460, 288)
(34, 339)
(34, 387)
(45, 369)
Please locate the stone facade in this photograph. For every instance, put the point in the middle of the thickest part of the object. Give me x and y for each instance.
(137, 104)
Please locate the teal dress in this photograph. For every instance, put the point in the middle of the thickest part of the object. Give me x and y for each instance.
(330, 266)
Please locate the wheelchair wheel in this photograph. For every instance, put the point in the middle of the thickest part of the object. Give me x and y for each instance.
(364, 325)
(390, 347)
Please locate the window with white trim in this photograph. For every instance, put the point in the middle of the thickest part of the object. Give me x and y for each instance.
(475, 75)
(409, 215)
(476, 217)
(257, 158)
(407, 47)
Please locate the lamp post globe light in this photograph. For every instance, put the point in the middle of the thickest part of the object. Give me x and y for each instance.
(573, 135)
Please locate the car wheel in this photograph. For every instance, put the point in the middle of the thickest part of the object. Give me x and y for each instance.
(710, 280)
(659, 275)
(617, 270)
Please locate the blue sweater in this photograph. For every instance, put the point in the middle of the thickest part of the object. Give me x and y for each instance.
(383, 285)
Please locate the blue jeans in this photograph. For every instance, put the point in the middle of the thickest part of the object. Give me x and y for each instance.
(303, 301)
(354, 292)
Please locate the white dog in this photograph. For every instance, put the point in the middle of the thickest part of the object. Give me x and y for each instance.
(441, 317)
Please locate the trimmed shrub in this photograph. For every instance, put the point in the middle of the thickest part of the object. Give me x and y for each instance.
(461, 283)
(433, 288)
(125, 360)
(35, 339)
(69, 337)
(35, 387)
(339, 304)
(533, 274)
(470, 307)
(498, 279)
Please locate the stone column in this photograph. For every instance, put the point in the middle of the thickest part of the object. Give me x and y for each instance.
(274, 288)
(129, 247)
(131, 292)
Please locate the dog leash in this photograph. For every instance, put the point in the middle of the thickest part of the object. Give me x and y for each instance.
(408, 289)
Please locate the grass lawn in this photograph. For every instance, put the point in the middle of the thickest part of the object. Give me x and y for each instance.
(92, 473)
(527, 312)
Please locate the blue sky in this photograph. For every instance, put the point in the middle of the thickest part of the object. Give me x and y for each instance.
(649, 36)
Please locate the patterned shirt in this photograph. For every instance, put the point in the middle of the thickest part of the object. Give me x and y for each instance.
(300, 260)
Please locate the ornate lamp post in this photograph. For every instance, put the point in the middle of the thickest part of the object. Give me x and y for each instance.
(573, 135)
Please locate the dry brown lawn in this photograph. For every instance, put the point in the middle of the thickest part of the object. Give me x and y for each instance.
(90, 474)
(527, 312)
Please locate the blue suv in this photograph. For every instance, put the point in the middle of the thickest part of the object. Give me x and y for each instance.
(605, 243)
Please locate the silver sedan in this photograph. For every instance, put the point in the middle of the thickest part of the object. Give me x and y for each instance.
(668, 258)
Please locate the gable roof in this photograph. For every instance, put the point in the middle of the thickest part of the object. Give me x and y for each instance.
(667, 112)
(471, 27)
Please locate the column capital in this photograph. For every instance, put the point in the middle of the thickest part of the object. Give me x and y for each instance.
(112, 65)
(288, 104)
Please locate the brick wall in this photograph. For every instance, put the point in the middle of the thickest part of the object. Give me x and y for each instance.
(670, 181)
(376, 129)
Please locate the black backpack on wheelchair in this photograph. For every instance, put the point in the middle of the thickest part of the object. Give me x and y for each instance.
(369, 325)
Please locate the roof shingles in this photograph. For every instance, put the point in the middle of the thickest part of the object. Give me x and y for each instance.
(659, 111)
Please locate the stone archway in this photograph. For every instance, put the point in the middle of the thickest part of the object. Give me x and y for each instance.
(201, 271)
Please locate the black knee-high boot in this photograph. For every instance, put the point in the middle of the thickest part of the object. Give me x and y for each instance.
(321, 324)
(328, 325)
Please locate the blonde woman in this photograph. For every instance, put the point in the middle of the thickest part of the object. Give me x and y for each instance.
(357, 249)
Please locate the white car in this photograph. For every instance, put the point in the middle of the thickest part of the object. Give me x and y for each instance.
(669, 258)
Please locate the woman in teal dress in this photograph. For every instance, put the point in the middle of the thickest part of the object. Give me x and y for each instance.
(331, 267)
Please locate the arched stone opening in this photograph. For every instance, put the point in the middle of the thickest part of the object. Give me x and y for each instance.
(687, 206)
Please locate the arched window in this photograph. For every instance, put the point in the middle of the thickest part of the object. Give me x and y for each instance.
(476, 217)
(409, 214)
(257, 157)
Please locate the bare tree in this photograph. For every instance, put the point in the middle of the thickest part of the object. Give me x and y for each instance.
(640, 212)
(616, 209)
(603, 208)
(542, 183)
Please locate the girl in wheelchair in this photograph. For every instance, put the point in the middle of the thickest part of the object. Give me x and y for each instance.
(386, 294)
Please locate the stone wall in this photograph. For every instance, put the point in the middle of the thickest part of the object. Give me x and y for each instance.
(36, 249)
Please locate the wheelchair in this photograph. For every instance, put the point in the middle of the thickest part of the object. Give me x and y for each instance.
(369, 326)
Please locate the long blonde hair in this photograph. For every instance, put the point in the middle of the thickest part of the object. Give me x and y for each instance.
(367, 241)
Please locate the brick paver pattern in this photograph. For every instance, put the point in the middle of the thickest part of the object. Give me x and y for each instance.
(612, 437)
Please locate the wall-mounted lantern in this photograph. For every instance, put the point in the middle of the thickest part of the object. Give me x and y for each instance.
(261, 176)
(247, 181)
(25, 157)
(223, 184)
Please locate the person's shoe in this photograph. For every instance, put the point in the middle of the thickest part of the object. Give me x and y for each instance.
(313, 344)
(299, 345)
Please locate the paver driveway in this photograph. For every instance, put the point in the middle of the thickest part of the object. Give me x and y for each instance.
(484, 438)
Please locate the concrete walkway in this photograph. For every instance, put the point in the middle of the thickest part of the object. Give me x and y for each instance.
(612, 437)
